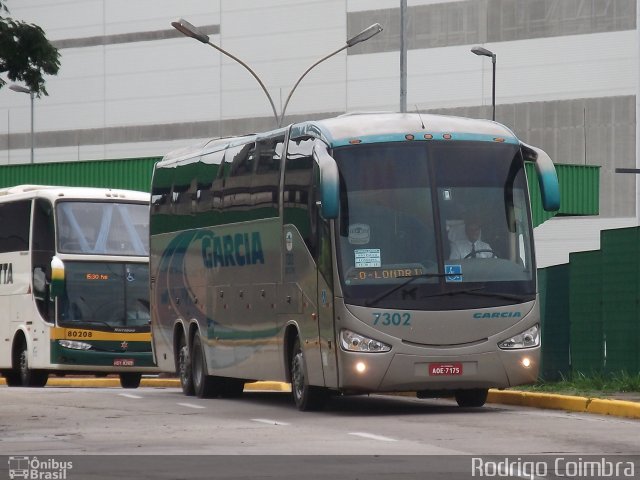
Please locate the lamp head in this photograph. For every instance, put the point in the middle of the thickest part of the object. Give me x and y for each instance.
(365, 34)
(189, 30)
(483, 52)
(18, 88)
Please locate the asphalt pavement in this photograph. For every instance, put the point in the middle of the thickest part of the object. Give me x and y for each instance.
(625, 405)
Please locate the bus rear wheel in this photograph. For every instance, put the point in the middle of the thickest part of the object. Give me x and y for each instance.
(184, 368)
(130, 380)
(475, 397)
(204, 386)
(305, 396)
(29, 377)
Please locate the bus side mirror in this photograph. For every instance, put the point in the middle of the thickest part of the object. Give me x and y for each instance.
(329, 182)
(547, 176)
(57, 277)
(39, 284)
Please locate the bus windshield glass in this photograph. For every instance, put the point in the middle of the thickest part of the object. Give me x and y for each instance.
(102, 228)
(105, 296)
(424, 223)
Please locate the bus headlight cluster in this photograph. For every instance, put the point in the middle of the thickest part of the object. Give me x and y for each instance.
(527, 339)
(354, 342)
(74, 345)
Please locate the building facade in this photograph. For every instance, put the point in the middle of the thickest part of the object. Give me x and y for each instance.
(130, 85)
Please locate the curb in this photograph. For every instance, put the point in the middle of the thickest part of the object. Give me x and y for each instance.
(599, 406)
(150, 382)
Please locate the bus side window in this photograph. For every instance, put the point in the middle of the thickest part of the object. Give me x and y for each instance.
(42, 250)
(207, 171)
(265, 188)
(218, 184)
(299, 192)
(14, 234)
(237, 187)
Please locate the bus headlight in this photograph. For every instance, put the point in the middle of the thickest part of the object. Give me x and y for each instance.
(74, 345)
(527, 339)
(353, 342)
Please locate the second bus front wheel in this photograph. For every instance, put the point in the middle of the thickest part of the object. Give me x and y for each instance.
(130, 380)
(305, 396)
(28, 376)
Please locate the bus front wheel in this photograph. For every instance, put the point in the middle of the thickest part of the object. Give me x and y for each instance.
(29, 377)
(305, 396)
(475, 397)
(130, 380)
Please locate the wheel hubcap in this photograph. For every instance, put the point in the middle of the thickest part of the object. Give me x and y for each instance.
(297, 375)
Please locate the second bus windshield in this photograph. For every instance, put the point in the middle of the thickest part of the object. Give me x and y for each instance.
(454, 215)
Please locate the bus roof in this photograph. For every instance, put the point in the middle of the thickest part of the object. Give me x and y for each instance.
(366, 127)
(53, 193)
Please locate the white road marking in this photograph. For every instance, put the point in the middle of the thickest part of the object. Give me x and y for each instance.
(190, 405)
(129, 395)
(371, 436)
(268, 421)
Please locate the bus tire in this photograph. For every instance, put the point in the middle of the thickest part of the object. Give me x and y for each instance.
(475, 397)
(305, 396)
(29, 377)
(130, 380)
(184, 368)
(232, 388)
(204, 386)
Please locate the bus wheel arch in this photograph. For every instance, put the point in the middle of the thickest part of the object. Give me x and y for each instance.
(290, 336)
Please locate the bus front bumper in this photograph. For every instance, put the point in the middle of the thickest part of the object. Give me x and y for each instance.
(390, 372)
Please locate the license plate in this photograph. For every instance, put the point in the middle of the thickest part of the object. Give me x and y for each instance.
(123, 362)
(445, 369)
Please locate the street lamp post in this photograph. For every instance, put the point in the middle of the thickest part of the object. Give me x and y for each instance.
(488, 53)
(18, 88)
(190, 30)
(363, 36)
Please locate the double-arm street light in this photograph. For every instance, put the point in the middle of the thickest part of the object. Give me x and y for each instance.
(190, 30)
(18, 88)
(488, 53)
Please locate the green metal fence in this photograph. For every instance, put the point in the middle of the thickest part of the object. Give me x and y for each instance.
(129, 174)
(603, 314)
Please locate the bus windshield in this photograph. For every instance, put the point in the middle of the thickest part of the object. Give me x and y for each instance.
(101, 228)
(424, 223)
(106, 296)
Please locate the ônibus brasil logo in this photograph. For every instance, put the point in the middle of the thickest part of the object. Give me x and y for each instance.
(37, 469)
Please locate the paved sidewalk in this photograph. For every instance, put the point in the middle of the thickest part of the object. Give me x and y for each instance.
(619, 405)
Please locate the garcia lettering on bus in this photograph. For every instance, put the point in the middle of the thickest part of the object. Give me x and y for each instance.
(6, 273)
(232, 250)
(497, 315)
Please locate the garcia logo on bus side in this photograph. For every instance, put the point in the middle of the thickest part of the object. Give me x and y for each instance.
(232, 250)
(6, 273)
(497, 315)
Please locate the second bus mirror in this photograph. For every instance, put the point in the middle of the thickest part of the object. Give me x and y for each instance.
(57, 277)
(39, 284)
(329, 182)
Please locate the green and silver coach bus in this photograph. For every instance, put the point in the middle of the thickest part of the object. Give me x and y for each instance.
(74, 284)
(326, 254)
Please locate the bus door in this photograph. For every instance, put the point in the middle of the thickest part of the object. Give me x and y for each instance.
(303, 278)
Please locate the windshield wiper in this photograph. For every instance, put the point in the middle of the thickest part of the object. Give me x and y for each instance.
(395, 288)
(91, 322)
(477, 291)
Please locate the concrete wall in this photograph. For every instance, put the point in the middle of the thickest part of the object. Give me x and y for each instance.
(130, 85)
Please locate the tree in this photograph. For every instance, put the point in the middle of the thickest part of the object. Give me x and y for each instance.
(25, 53)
